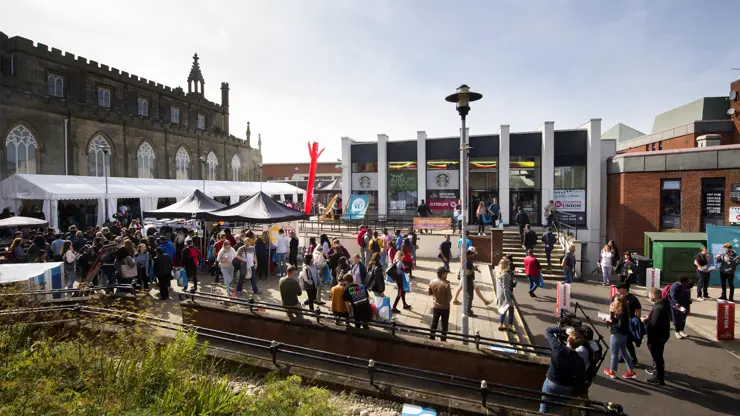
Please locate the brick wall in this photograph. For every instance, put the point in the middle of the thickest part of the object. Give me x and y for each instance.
(633, 206)
(685, 141)
(735, 86)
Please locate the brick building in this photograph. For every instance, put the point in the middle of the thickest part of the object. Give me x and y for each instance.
(680, 178)
(58, 111)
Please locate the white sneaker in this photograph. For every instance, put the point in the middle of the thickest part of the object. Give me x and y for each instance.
(683, 334)
(678, 335)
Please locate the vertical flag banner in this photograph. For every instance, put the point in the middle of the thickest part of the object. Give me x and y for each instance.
(562, 298)
(652, 279)
(725, 321)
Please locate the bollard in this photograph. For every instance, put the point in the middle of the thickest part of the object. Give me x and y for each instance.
(371, 371)
(484, 392)
(477, 340)
(251, 304)
(393, 328)
(318, 314)
(274, 345)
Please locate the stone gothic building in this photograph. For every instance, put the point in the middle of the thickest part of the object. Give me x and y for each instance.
(61, 114)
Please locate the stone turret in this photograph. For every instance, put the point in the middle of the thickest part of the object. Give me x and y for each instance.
(249, 136)
(195, 77)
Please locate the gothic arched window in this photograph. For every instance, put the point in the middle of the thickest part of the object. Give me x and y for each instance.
(182, 164)
(145, 160)
(20, 151)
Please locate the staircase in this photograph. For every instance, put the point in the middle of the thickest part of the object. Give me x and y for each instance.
(513, 246)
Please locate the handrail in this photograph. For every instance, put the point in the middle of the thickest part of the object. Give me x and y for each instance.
(62, 291)
(372, 366)
(392, 326)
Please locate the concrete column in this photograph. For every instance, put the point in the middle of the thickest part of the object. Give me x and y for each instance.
(421, 165)
(382, 202)
(593, 192)
(346, 169)
(503, 173)
(547, 179)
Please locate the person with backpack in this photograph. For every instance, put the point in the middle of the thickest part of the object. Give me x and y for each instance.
(361, 240)
(189, 260)
(522, 219)
(548, 239)
(566, 370)
(590, 353)
(658, 324)
(729, 261)
(679, 296)
(310, 281)
(568, 262)
(395, 272)
(619, 324)
(374, 246)
(635, 308)
(375, 281)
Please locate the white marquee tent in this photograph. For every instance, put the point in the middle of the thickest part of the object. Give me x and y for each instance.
(54, 188)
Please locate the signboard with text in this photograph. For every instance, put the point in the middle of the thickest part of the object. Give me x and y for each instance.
(569, 200)
(432, 223)
(735, 192)
(734, 215)
(725, 321)
(357, 207)
(440, 200)
(562, 297)
(443, 179)
(365, 181)
(402, 181)
(577, 219)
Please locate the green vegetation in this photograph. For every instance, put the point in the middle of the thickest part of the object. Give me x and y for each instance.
(41, 374)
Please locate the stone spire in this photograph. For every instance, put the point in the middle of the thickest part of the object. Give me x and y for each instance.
(195, 77)
(249, 135)
(259, 141)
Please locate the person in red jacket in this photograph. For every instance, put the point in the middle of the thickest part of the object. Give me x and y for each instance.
(533, 270)
(361, 240)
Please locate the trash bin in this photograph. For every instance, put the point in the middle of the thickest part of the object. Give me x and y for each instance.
(642, 263)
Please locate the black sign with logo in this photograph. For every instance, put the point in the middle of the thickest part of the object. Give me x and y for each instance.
(735, 192)
(577, 219)
(713, 204)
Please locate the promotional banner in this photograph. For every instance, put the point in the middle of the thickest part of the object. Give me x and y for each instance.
(725, 320)
(577, 219)
(716, 239)
(432, 223)
(562, 297)
(652, 280)
(443, 179)
(357, 207)
(402, 181)
(274, 229)
(569, 200)
(734, 215)
(439, 200)
(365, 181)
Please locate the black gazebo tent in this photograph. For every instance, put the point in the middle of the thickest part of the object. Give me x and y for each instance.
(191, 207)
(332, 187)
(258, 209)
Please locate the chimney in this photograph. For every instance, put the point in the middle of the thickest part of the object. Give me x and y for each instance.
(708, 140)
(225, 105)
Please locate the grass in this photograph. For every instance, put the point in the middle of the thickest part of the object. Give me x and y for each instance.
(125, 374)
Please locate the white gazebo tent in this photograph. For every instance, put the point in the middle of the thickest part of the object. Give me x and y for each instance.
(54, 188)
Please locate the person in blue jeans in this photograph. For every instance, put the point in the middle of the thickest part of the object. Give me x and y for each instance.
(548, 239)
(495, 210)
(445, 252)
(567, 369)
(281, 252)
(505, 294)
(619, 321)
(569, 264)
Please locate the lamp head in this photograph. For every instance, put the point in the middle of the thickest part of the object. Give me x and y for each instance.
(462, 98)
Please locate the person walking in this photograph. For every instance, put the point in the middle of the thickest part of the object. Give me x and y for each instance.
(338, 307)
(375, 281)
(658, 325)
(701, 262)
(548, 239)
(470, 269)
(606, 262)
(495, 211)
(533, 271)
(729, 261)
(680, 299)
(225, 259)
(530, 239)
(357, 302)
(142, 266)
(445, 252)
(619, 321)
(505, 294)
(635, 310)
(481, 213)
(310, 281)
(361, 240)
(396, 272)
(521, 219)
(281, 252)
(567, 369)
(374, 246)
(550, 213)
(319, 261)
(69, 257)
(189, 260)
(441, 294)
(163, 271)
(290, 289)
(247, 268)
(569, 264)
(293, 249)
(424, 211)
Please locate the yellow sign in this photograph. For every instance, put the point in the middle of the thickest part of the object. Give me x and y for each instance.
(432, 223)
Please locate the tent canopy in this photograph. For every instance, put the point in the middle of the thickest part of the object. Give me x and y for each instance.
(196, 203)
(68, 187)
(10, 273)
(22, 222)
(259, 209)
(333, 186)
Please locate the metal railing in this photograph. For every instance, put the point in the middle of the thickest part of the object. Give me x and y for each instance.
(393, 327)
(375, 222)
(482, 388)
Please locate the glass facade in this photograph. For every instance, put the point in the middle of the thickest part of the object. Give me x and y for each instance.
(670, 204)
(570, 177)
(403, 188)
(524, 183)
(365, 167)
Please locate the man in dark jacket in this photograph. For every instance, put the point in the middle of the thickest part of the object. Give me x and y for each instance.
(522, 219)
(548, 239)
(530, 239)
(163, 271)
(680, 299)
(729, 262)
(567, 368)
(658, 325)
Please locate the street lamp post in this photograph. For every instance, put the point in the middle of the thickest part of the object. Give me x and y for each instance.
(106, 152)
(463, 97)
(261, 171)
(203, 171)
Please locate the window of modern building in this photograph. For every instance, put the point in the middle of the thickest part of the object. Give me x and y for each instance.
(660, 145)
(20, 151)
(652, 147)
(97, 165)
(236, 166)
(712, 202)
(670, 204)
(647, 147)
(570, 177)
(174, 115)
(212, 165)
(182, 164)
(201, 122)
(403, 190)
(55, 85)
(365, 167)
(143, 107)
(146, 161)
(524, 184)
(104, 97)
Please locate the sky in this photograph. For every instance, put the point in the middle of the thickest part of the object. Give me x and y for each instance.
(305, 70)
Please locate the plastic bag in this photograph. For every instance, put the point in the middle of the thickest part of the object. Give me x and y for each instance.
(383, 304)
(182, 279)
(541, 283)
(406, 284)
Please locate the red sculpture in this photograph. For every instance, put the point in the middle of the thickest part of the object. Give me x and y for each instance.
(313, 151)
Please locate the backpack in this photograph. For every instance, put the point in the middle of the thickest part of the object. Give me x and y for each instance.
(193, 253)
(637, 331)
(374, 246)
(666, 292)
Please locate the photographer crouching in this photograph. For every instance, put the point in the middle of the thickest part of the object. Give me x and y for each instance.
(567, 369)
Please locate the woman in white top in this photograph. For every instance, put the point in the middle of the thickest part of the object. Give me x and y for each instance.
(606, 261)
(70, 259)
(310, 281)
(225, 260)
(319, 262)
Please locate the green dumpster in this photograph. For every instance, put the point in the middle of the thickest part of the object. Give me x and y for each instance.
(675, 259)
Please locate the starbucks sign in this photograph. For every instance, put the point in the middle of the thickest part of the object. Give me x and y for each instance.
(443, 179)
(365, 181)
(402, 181)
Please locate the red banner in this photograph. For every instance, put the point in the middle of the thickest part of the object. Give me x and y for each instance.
(612, 292)
(442, 204)
(725, 321)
